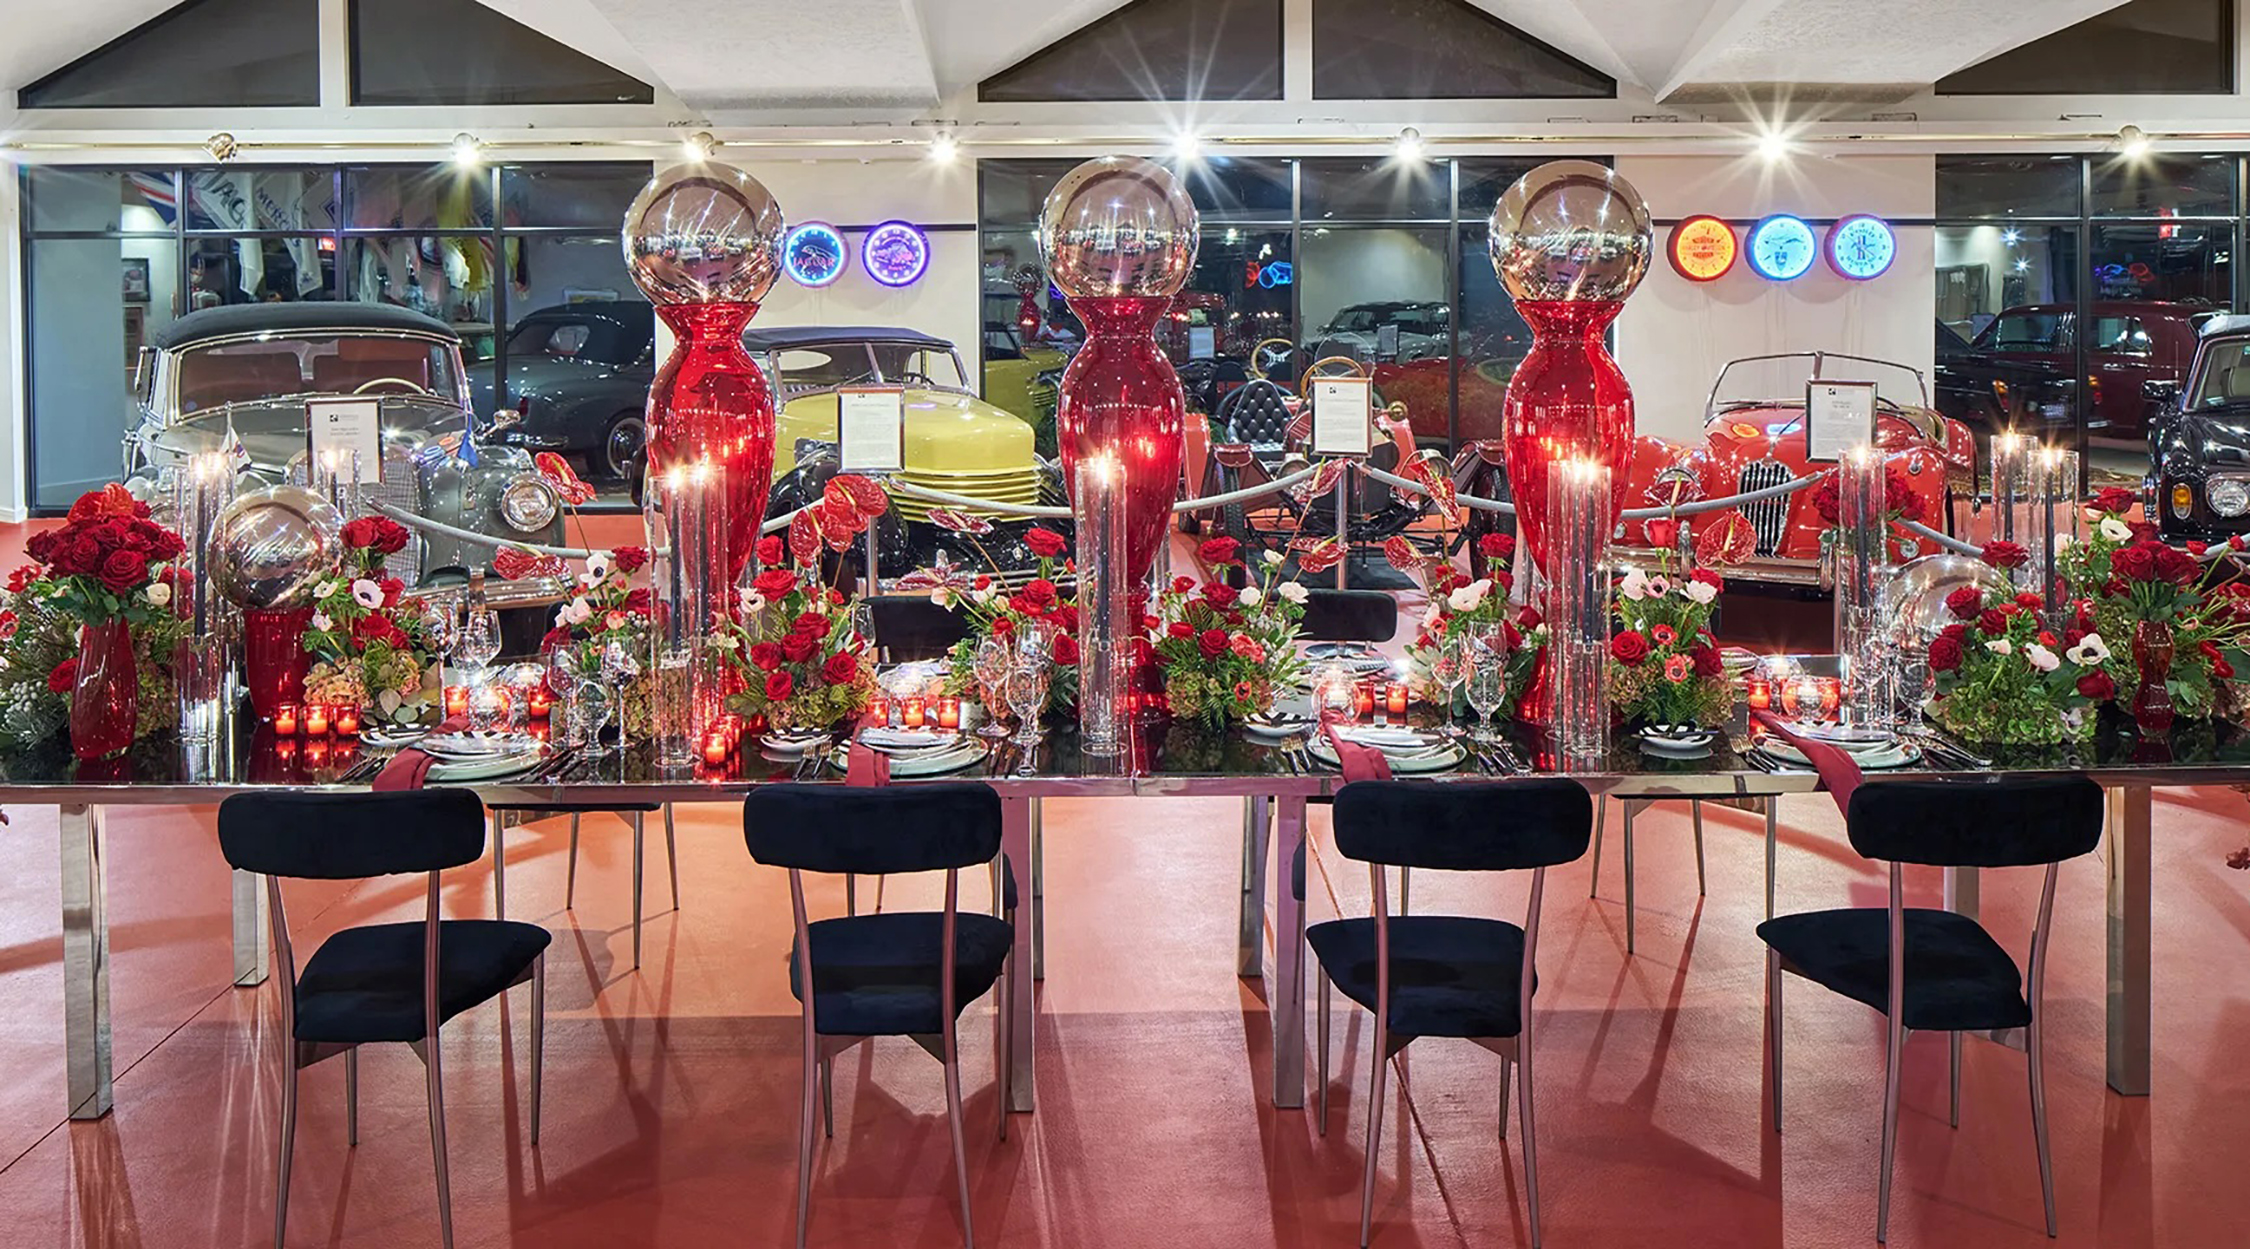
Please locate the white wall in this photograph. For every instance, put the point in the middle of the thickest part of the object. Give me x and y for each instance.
(1674, 335)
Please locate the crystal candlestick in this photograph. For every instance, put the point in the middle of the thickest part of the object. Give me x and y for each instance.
(1578, 500)
(1106, 619)
(1862, 565)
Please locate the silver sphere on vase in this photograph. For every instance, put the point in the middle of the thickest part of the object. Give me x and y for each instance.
(271, 547)
(704, 233)
(1571, 230)
(1118, 226)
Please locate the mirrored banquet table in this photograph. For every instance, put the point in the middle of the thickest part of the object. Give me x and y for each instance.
(1276, 779)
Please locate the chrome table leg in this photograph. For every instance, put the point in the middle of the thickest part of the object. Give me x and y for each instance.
(85, 960)
(1015, 842)
(2129, 950)
(1963, 891)
(252, 941)
(1037, 858)
(1285, 997)
(1773, 836)
(1250, 940)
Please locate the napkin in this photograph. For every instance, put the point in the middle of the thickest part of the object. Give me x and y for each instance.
(410, 767)
(1839, 772)
(867, 767)
(1357, 762)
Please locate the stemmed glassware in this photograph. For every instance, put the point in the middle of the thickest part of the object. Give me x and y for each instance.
(441, 625)
(1029, 669)
(479, 643)
(1448, 669)
(1486, 657)
(619, 666)
(992, 662)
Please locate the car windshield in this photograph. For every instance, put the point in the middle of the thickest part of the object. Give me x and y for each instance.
(281, 366)
(1779, 381)
(2225, 376)
(824, 366)
(1352, 320)
(914, 364)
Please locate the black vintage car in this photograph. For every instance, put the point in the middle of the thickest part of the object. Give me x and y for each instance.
(579, 375)
(2199, 440)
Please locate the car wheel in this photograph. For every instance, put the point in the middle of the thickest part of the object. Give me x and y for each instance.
(622, 444)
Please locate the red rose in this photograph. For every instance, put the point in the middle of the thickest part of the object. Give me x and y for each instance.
(1663, 533)
(1218, 550)
(1529, 618)
(123, 571)
(1213, 643)
(392, 588)
(1066, 649)
(557, 636)
(2004, 554)
(840, 668)
(2114, 499)
(2047, 640)
(835, 598)
(1040, 592)
(1945, 653)
(774, 582)
(1828, 499)
(1706, 660)
(1044, 543)
(639, 601)
(64, 675)
(1066, 618)
(2177, 566)
(2114, 587)
(779, 685)
(2097, 686)
(810, 624)
(769, 551)
(797, 647)
(1957, 631)
(1709, 578)
(1181, 629)
(2198, 549)
(765, 656)
(1002, 626)
(2029, 600)
(390, 536)
(1497, 546)
(2134, 563)
(1993, 622)
(1219, 594)
(1628, 648)
(629, 559)
(1965, 602)
(360, 534)
(1182, 585)
(83, 555)
(2082, 618)
(2070, 638)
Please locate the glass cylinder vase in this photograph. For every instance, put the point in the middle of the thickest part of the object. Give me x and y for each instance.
(1577, 520)
(104, 697)
(1862, 565)
(1106, 619)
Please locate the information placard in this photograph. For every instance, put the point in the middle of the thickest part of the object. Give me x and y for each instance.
(1342, 416)
(338, 430)
(1386, 341)
(871, 429)
(1838, 417)
(1203, 342)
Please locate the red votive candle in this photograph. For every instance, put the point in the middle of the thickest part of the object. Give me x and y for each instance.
(347, 720)
(316, 720)
(1363, 700)
(540, 702)
(715, 750)
(911, 712)
(1394, 698)
(285, 720)
(1759, 691)
(1831, 695)
(456, 700)
(949, 713)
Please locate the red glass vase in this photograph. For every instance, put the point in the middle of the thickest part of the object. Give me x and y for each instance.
(2152, 656)
(274, 660)
(1121, 395)
(710, 402)
(105, 699)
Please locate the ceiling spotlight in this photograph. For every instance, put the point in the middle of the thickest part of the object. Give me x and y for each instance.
(2010, 236)
(1186, 146)
(943, 148)
(1409, 145)
(2022, 265)
(699, 146)
(468, 150)
(221, 146)
(2132, 141)
(1773, 146)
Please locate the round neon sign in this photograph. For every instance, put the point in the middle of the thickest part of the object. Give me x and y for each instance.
(1703, 248)
(1861, 246)
(895, 253)
(1782, 248)
(813, 254)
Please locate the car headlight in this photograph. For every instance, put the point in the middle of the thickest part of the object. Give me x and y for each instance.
(528, 506)
(2229, 496)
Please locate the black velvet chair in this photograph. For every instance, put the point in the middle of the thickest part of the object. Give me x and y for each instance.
(380, 982)
(909, 627)
(887, 974)
(1931, 970)
(633, 813)
(1333, 615)
(1445, 975)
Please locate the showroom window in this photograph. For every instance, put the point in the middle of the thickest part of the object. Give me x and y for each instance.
(1154, 50)
(2141, 47)
(111, 256)
(1301, 260)
(202, 54)
(1438, 50)
(482, 57)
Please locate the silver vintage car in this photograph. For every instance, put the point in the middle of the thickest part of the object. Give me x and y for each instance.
(249, 369)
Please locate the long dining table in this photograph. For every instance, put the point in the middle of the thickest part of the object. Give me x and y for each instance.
(1276, 784)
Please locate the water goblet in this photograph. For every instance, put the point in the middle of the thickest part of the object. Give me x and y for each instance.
(619, 666)
(1448, 670)
(1487, 682)
(479, 643)
(991, 673)
(441, 626)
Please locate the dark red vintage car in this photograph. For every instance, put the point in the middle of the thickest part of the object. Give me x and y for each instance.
(2027, 358)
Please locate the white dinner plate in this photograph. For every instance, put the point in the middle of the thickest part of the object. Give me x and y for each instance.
(1894, 755)
(485, 769)
(966, 752)
(486, 745)
(1435, 758)
(905, 739)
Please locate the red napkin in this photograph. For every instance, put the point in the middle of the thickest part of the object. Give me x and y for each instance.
(868, 766)
(410, 768)
(1357, 762)
(1839, 772)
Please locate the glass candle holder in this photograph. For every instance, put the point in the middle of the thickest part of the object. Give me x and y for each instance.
(316, 720)
(346, 719)
(285, 720)
(913, 711)
(456, 700)
(1757, 691)
(949, 713)
(1579, 517)
(1395, 698)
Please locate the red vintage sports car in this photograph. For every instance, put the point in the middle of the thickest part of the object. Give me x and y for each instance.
(1754, 437)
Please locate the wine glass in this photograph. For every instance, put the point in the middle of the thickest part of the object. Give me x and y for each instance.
(441, 625)
(991, 672)
(619, 666)
(1449, 670)
(1487, 680)
(479, 643)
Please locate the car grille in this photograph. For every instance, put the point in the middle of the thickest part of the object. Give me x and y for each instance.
(401, 488)
(1014, 485)
(1043, 395)
(1769, 518)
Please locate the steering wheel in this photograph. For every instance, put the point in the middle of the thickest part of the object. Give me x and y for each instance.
(1331, 366)
(1270, 355)
(912, 378)
(372, 382)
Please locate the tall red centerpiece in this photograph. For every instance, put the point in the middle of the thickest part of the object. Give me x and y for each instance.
(1118, 235)
(703, 242)
(1570, 240)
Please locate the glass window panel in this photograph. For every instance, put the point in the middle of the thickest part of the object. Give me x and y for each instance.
(137, 201)
(234, 198)
(1011, 191)
(2007, 186)
(2006, 297)
(1235, 302)
(1378, 295)
(1438, 50)
(1485, 179)
(420, 197)
(1494, 339)
(2139, 47)
(261, 270)
(1239, 189)
(202, 54)
(92, 305)
(594, 195)
(1376, 188)
(459, 52)
(2164, 186)
(2154, 284)
(1155, 50)
(449, 278)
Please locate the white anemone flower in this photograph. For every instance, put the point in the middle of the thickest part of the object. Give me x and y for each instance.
(1634, 587)
(1293, 592)
(367, 594)
(2000, 646)
(328, 587)
(2115, 530)
(1658, 587)
(2091, 651)
(2041, 658)
(597, 567)
(1700, 591)
(753, 602)
(321, 622)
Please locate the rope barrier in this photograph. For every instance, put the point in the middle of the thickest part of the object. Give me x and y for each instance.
(404, 517)
(1947, 541)
(1634, 513)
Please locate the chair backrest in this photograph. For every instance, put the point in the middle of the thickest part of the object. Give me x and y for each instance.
(315, 836)
(911, 627)
(1255, 414)
(2000, 823)
(1464, 826)
(1349, 616)
(875, 830)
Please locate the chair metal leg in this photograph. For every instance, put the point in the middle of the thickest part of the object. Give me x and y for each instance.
(634, 817)
(570, 882)
(1773, 1029)
(1773, 836)
(1507, 1065)
(1000, 1052)
(1891, 1060)
(1320, 1044)
(960, 1146)
(287, 1144)
(1695, 810)
(1530, 1135)
(435, 1071)
(1374, 1132)
(828, 1096)
(1405, 888)
(1953, 1076)
(2032, 1050)
(538, 1037)
(1628, 874)
(851, 894)
(805, 1129)
(1601, 811)
(499, 870)
(672, 855)
(351, 1096)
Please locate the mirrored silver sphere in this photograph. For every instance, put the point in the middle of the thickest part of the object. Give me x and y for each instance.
(1571, 230)
(1913, 599)
(1118, 225)
(272, 546)
(703, 233)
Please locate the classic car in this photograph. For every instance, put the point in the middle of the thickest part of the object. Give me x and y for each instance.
(578, 374)
(243, 373)
(1391, 330)
(1754, 437)
(2198, 485)
(955, 441)
(2134, 342)
(1022, 378)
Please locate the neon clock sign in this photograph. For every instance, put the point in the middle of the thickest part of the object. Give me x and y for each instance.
(895, 254)
(1782, 248)
(1861, 246)
(813, 254)
(1704, 248)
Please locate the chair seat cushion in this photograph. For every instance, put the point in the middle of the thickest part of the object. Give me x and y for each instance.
(365, 984)
(1957, 976)
(1451, 976)
(878, 975)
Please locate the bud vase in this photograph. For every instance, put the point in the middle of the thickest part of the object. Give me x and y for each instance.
(2152, 656)
(104, 699)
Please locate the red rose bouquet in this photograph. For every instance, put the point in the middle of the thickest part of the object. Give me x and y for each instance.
(801, 661)
(995, 610)
(1459, 606)
(368, 646)
(2004, 679)
(1223, 651)
(1664, 669)
(2186, 612)
(101, 564)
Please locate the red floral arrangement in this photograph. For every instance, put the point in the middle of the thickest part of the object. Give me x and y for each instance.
(801, 662)
(1224, 650)
(368, 651)
(101, 563)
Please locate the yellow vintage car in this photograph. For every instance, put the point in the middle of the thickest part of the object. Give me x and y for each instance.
(1023, 378)
(955, 441)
